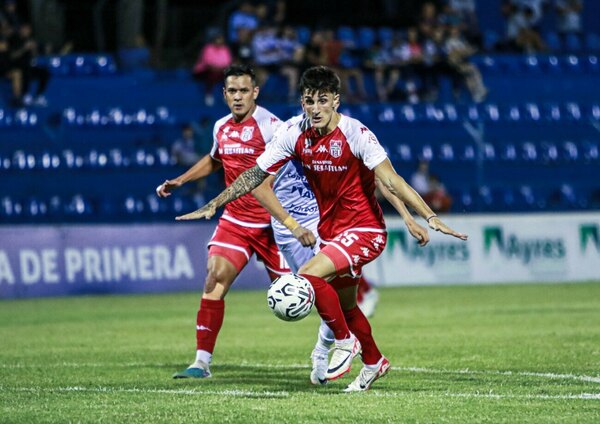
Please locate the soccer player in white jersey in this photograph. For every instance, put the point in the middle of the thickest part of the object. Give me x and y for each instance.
(295, 195)
(245, 228)
(341, 159)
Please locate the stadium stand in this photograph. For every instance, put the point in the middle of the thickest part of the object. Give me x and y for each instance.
(533, 145)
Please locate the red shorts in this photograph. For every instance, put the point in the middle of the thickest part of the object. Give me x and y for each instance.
(237, 244)
(353, 249)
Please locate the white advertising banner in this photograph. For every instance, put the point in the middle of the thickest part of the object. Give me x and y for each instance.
(500, 249)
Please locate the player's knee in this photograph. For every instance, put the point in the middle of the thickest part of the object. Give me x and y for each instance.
(218, 280)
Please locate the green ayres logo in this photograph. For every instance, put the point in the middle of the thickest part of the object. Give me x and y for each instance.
(526, 250)
(589, 236)
(430, 254)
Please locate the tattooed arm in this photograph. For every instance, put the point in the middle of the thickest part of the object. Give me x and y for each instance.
(244, 184)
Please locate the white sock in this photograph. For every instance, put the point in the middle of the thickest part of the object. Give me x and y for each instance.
(374, 366)
(203, 356)
(325, 338)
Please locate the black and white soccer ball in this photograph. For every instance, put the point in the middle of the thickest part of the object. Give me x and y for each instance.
(291, 297)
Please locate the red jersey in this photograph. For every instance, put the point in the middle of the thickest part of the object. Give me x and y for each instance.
(237, 145)
(338, 167)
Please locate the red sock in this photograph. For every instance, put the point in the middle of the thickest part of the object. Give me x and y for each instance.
(328, 306)
(359, 325)
(208, 323)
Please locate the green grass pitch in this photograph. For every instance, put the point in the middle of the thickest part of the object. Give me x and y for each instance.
(500, 354)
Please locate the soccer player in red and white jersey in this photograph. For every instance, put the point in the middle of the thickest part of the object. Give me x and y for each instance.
(244, 228)
(341, 159)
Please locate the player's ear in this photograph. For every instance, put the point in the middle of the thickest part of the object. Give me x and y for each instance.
(336, 101)
(256, 91)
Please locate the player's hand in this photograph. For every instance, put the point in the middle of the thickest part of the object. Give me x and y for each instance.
(165, 189)
(436, 224)
(207, 212)
(419, 232)
(304, 236)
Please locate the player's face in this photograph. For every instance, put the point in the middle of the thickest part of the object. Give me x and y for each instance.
(321, 110)
(240, 95)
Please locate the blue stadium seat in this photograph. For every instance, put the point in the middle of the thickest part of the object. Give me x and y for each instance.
(592, 64)
(446, 152)
(572, 112)
(347, 36)
(592, 42)
(528, 151)
(552, 41)
(35, 208)
(490, 39)
(551, 64)
(385, 36)
(303, 33)
(549, 151)
(590, 150)
(569, 151)
(572, 64)
(573, 43)
(49, 160)
(366, 37)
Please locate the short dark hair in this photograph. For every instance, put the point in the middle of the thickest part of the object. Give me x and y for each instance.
(240, 70)
(321, 79)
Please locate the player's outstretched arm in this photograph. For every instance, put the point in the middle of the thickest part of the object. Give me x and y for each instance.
(417, 231)
(243, 184)
(401, 189)
(266, 197)
(200, 169)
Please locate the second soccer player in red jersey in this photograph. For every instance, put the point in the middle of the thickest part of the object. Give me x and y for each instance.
(244, 228)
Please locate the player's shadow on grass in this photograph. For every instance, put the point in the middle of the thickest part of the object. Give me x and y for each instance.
(257, 379)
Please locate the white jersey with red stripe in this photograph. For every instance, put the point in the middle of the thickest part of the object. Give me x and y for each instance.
(338, 167)
(237, 145)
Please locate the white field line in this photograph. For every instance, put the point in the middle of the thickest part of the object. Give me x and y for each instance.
(284, 394)
(231, 393)
(547, 375)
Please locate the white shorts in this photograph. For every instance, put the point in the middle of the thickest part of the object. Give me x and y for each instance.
(292, 250)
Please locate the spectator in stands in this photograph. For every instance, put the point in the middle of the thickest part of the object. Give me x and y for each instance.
(569, 16)
(242, 49)
(459, 51)
(520, 32)
(214, 58)
(466, 10)
(315, 53)
(378, 60)
(9, 15)
(536, 9)
(242, 19)
(419, 180)
(428, 21)
(266, 54)
(407, 58)
(183, 150)
(291, 56)
(7, 66)
(437, 197)
(23, 51)
(435, 65)
(430, 188)
(341, 57)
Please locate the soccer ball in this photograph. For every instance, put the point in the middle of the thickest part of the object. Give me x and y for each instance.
(291, 297)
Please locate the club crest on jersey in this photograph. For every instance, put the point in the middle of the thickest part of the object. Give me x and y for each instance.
(335, 148)
(247, 133)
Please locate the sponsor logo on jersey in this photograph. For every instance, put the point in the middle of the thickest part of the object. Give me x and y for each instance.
(247, 133)
(335, 148)
(322, 149)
